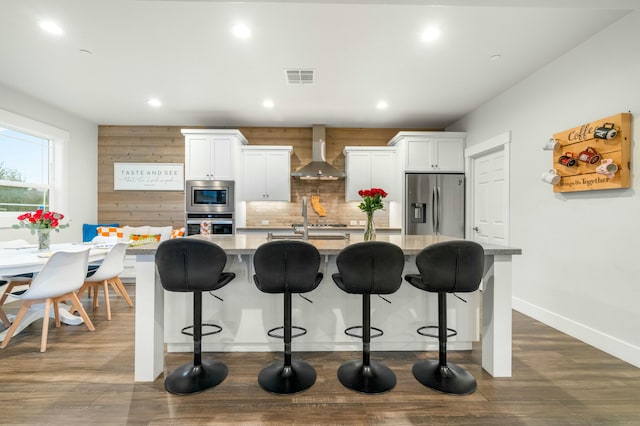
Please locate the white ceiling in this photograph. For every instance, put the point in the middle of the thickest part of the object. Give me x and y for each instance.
(184, 53)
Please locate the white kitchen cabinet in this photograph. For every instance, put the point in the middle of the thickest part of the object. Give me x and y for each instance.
(210, 154)
(266, 173)
(431, 151)
(370, 167)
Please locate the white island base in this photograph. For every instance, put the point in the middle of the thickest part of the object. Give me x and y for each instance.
(246, 314)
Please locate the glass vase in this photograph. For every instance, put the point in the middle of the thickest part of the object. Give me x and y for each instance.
(43, 239)
(370, 229)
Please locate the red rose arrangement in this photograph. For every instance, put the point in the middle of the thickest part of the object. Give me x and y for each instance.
(41, 219)
(371, 199)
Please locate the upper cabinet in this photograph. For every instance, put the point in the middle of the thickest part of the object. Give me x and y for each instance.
(266, 173)
(431, 151)
(211, 154)
(370, 167)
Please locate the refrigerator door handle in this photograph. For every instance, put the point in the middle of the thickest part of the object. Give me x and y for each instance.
(434, 212)
(437, 208)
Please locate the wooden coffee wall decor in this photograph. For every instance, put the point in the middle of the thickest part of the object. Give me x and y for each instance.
(594, 156)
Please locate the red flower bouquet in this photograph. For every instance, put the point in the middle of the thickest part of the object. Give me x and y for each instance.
(41, 219)
(371, 201)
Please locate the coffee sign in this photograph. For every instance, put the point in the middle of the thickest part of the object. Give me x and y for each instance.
(602, 155)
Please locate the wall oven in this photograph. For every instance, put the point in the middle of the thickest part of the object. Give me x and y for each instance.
(211, 201)
(209, 196)
(221, 223)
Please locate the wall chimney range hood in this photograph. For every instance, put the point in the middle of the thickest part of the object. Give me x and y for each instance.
(318, 168)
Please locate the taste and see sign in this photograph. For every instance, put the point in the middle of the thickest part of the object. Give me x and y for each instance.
(148, 176)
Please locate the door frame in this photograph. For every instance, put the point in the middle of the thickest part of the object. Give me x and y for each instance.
(496, 143)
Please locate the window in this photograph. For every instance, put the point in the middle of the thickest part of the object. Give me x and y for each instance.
(24, 171)
(32, 166)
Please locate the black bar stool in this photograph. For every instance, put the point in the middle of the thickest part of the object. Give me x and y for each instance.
(287, 267)
(447, 267)
(192, 265)
(370, 267)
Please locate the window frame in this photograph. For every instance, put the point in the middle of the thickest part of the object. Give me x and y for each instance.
(58, 142)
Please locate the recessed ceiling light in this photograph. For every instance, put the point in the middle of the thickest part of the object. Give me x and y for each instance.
(268, 103)
(430, 34)
(241, 31)
(382, 105)
(154, 102)
(50, 27)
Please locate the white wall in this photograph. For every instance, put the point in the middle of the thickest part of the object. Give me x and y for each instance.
(82, 160)
(580, 267)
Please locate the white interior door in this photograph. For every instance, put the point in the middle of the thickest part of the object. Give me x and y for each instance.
(488, 164)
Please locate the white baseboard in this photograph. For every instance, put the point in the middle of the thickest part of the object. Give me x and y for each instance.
(609, 344)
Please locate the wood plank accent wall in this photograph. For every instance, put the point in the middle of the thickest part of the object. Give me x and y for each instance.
(165, 144)
(138, 144)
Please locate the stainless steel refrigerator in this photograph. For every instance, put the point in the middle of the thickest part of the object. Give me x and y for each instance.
(434, 204)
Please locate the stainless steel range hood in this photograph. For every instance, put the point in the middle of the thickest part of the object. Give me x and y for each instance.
(318, 168)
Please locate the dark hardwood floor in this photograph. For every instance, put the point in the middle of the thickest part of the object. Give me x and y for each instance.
(87, 378)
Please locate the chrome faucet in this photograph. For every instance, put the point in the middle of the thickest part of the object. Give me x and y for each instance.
(305, 225)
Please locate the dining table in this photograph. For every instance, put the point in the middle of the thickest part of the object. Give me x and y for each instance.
(28, 259)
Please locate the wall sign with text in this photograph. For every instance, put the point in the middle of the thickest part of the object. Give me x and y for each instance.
(594, 156)
(148, 176)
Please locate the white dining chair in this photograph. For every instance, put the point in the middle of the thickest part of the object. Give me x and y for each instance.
(58, 281)
(107, 274)
(13, 281)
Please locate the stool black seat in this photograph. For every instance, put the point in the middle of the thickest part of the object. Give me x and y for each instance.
(287, 266)
(370, 267)
(447, 267)
(192, 265)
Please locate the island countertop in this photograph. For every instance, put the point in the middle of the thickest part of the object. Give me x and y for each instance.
(244, 244)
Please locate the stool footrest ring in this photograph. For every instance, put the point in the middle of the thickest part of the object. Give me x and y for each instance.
(216, 329)
(421, 331)
(349, 332)
(301, 332)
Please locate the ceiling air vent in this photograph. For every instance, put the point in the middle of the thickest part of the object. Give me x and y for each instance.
(300, 76)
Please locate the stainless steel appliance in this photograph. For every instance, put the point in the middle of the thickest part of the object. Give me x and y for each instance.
(221, 223)
(209, 196)
(434, 204)
(210, 200)
(318, 168)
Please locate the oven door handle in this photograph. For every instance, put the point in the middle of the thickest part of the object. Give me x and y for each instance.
(213, 222)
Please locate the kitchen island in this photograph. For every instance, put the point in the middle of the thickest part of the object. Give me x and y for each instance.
(246, 313)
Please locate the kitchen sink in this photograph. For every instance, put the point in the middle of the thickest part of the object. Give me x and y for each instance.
(311, 236)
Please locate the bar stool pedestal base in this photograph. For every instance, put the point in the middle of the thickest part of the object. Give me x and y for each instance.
(372, 378)
(281, 379)
(451, 378)
(190, 378)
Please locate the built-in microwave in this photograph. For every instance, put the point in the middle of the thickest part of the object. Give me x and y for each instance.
(209, 196)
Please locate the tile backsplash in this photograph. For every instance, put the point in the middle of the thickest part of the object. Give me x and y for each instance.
(331, 195)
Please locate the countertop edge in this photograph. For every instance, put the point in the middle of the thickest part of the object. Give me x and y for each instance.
(313, 228)
(334, 247)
